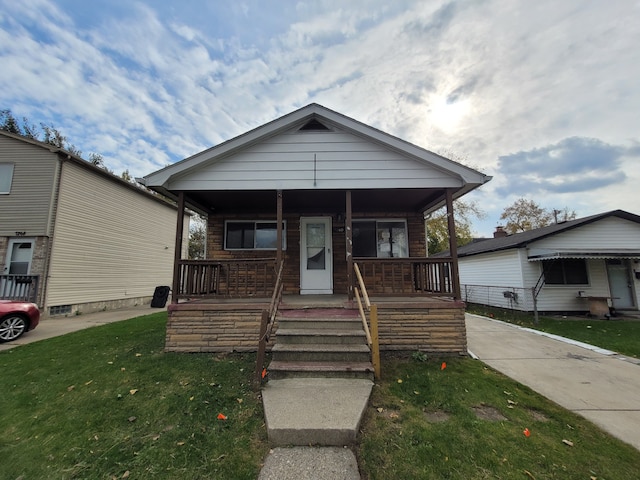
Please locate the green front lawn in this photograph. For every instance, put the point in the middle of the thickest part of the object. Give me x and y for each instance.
(108, 403)
(467, 421)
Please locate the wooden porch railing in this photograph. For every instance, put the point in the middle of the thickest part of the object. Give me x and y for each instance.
(226, 278)
(408, 276)
(372, 335)
(19, 287)
(266, 324)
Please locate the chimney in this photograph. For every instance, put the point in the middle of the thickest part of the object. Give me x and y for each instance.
(499, 233)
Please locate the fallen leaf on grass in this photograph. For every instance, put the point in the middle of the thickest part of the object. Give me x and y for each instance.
(239, 400)
(380, 409)
(138, 354)
(180, 444)
(126, 474)
(132, 419)
(526, 432)
(89, 382)
(399, 380)
(511, 402)
(528, 474)
(70, 387)
(133, 391)
(191, 399)
(443, 366)
(122, 369)
(221, 416)
(393, 415)
(567, 442)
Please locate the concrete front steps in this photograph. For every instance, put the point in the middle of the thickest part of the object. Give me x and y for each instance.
(320, 378)
(320, 343)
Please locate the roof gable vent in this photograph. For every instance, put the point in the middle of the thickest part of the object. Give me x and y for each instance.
(315, 126)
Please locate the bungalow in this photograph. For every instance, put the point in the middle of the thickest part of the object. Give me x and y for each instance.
(295, 205)
(75, 238)
(590, 264)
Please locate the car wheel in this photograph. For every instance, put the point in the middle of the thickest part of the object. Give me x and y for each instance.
(12, 326)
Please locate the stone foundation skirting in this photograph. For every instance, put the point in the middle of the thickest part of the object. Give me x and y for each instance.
(438, 328)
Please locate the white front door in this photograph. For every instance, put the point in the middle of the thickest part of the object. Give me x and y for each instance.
(620, 283)
(316, 265)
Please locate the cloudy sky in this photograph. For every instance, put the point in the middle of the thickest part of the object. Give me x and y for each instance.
(543, 95)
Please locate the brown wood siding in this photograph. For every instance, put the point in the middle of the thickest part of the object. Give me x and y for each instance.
(291, 272)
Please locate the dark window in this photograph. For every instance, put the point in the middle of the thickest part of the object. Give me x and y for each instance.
(565, 272)
(381, 239)
(253, 235)
(314, 125)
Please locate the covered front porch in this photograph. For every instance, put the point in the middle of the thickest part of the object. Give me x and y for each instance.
(294, 209)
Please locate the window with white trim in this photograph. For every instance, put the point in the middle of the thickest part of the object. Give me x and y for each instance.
(380, 238)
(253, 235)
(6, 177)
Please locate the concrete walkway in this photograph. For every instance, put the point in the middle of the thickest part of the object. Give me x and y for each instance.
(600, 385)
(50, 327)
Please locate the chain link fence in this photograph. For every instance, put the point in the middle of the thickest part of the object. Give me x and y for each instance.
(512, 298)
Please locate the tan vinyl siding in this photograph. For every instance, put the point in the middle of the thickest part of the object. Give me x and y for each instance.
(26, 207)
(342, 160)
(110, 242)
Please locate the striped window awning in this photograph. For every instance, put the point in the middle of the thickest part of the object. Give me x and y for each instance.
(539, 254)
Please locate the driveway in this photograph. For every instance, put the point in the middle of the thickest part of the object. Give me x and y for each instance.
(602, 386)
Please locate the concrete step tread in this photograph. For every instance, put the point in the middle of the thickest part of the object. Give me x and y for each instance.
(321, 347)
(277, 365)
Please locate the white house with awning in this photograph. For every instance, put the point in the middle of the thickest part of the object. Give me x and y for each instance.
(563, 267)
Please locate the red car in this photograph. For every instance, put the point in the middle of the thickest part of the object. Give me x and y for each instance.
(17, 318)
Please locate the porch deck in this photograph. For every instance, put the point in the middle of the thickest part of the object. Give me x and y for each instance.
(410, 323)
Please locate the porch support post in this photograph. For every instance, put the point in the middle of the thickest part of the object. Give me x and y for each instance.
(349, 244)
(453, 246)
(279, 228)
(177, 254)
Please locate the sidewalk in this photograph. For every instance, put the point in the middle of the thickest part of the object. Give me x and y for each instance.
(54, 326)
(600, 385)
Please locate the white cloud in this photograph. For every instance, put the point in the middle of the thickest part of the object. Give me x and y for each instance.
(148, 83)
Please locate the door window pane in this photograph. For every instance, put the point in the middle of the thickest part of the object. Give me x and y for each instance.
(21, 254)
(316, 257)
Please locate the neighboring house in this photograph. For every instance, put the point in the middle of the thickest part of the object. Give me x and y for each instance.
(567, 267)
(316, 192)
(75, 238)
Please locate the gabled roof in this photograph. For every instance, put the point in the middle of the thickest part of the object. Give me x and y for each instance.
(65, 155)
(315, 117)
(522, 240)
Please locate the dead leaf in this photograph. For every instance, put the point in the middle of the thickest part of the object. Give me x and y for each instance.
(191, 399)
(132, 419)
(70, 387)
(393, 415)
(222, 416)
(239, 400)
(416, 392)
(567, 442)
(138, 354)
(180, 444)
(126, 474)
(511, 402)
(380, 409)
(133, 391)
(122, 369)
(89, 382)
(155, 437)
(528, 474)
(399, 380)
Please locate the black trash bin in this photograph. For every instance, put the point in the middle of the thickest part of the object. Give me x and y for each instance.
(160, 296)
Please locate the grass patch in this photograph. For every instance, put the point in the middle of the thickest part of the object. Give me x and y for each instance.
(467, 422)
(108, 400)
(618, 335)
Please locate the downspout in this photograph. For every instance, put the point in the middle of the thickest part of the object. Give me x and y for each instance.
(51, 228)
